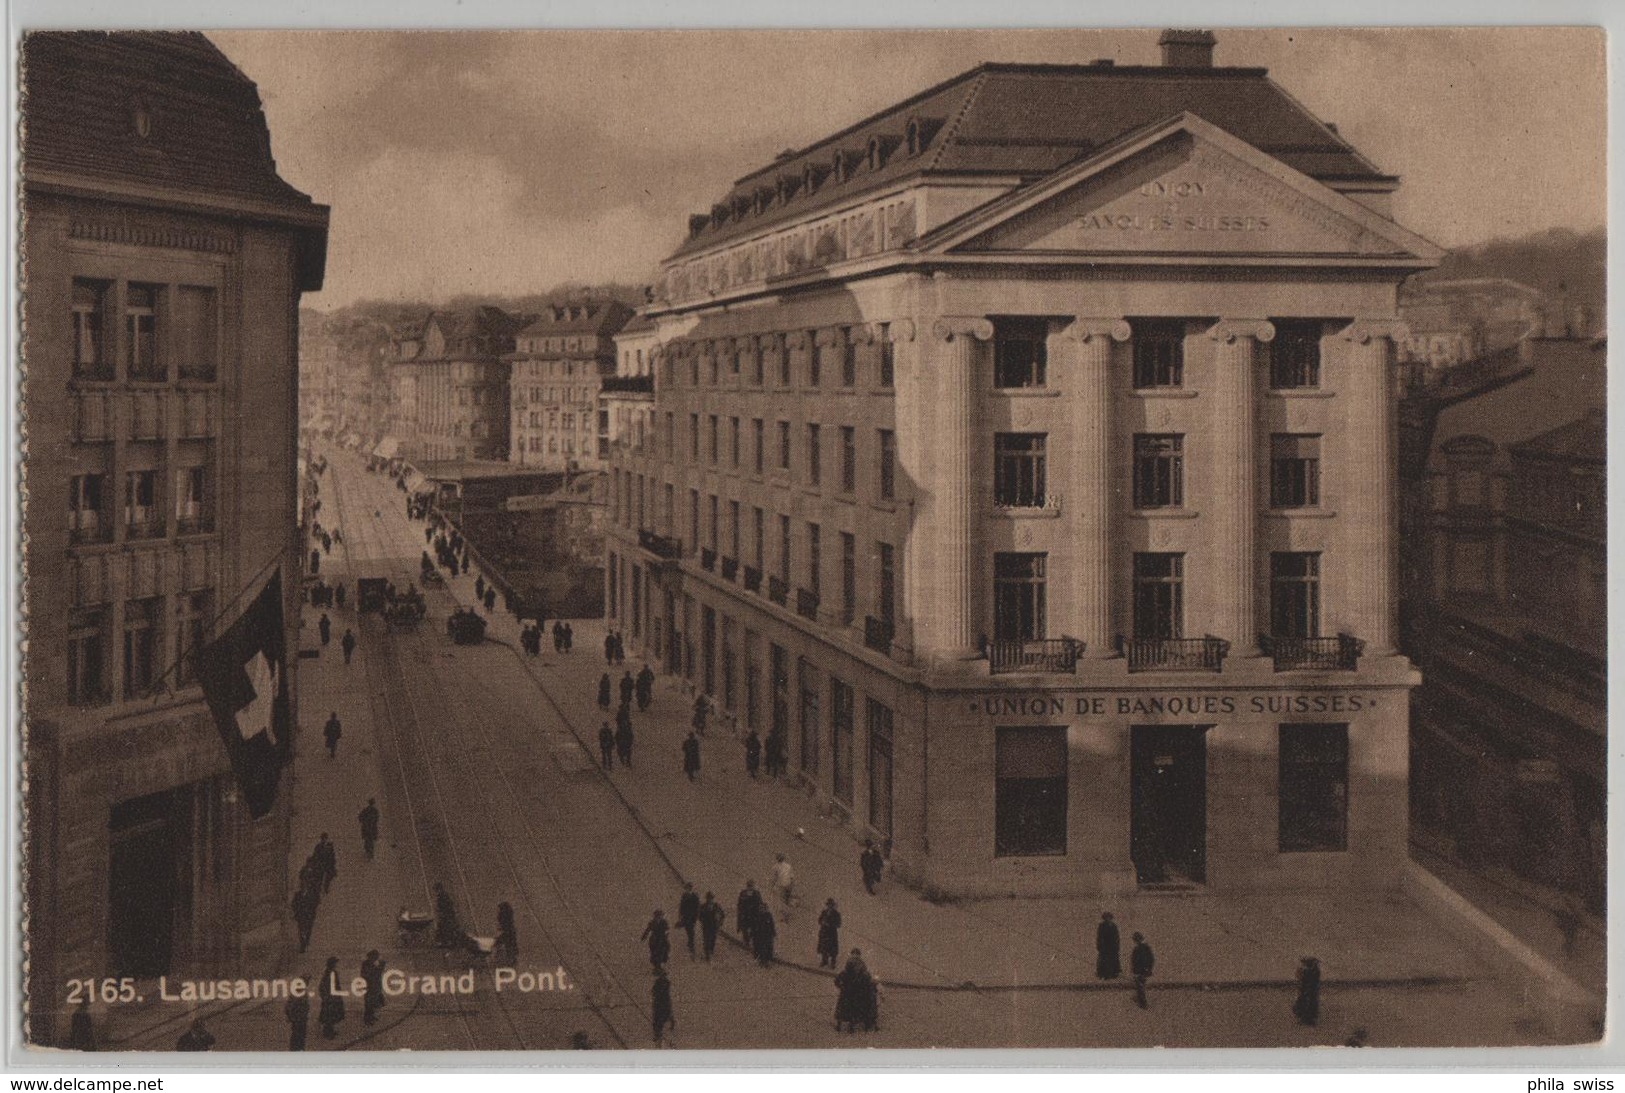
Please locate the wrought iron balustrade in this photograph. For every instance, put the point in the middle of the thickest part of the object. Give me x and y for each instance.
(1054, 655)
(1204, 654)
(1336, 654)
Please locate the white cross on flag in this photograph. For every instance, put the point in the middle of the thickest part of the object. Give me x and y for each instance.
(244, 677)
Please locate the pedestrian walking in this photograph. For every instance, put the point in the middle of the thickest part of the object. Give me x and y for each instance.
(315, 561)
(304, 914)
(655, 933)
(784, 879)
(691, 757)
(1108, 948)
(660, 1009)
(465, 564)
(871, 865)
(479, 587)
(609, 648)
(348, 644)
(856, 1002)
(447, 932)
(629, 687)
(1307, 1006)
(1141, 961)
(701, 708)
(645, 688)
(569, 637)
(490, 599)
(688, 914)
(623, 736)
(711, 916)
(606, 746)
(331, 1011)
(369, 826)
(327, 858)
(297, 1010)
(196, 1038)
(331, 733)
(603, 691)
(763, 933)
(829, 934)
(745, 910)
(338, 594)
(372, 997)
(753, 753)
(325, 625)
(507, 944)
(775, 754)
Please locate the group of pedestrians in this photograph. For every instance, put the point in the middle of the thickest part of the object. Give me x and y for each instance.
(1109, 957)
(316, 878)
(773, 752)
(617, 743)
(614, 649)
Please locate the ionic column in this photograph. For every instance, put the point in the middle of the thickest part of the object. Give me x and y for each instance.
(950, 624)
(1087, 510)
(1368, 515)
(1234, 503)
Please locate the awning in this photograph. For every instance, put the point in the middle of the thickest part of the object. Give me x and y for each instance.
(387, 448)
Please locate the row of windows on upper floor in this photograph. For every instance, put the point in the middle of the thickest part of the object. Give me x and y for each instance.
(92, 497)
(1020, 355)
(554, 396)
(145, 332)
(555, 419)
(142, 667)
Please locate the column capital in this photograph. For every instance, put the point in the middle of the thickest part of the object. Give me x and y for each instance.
(896, 330)
(950, 327)
(1086, 329)
(1227, 331)
(1363, 331)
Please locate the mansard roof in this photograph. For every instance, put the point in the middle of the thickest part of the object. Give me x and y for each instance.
(1025, 120)
(599, 317)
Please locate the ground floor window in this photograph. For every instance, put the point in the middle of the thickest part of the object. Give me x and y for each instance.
(810, 728)
(781, 692)
(1314, 787)
(1030, 792)
(880, 767)
(840, 739)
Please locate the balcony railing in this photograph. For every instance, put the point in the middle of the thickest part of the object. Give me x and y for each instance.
(1204, 654)
(1055, 655)
(730, 567)
(1339, 654)
(878, 634)
(806, 604)
(661, 546)
(778, 591)
(708, 559)
(753, 579)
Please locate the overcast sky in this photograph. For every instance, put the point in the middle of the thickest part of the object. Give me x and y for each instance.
(508, 162)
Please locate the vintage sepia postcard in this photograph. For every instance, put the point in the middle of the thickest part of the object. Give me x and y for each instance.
(553, 540)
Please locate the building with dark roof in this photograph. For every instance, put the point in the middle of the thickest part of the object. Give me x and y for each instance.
(449, 385)
(1020, 460)
(164, 260)
(559, 359)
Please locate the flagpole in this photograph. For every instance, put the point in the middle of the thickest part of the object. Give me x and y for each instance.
(158, 688)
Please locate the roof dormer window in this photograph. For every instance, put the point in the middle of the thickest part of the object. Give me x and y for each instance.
(809, 180)
(874, 154)
(913, 137)
(843, 167)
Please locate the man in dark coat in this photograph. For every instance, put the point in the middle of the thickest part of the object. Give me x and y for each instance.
(558, 636)
(691, 757)
(623, 735)
(688, 914)
(325, 626)
(479, 587)
(315, 561)
(348, 644)
(775, 754)
(490, 599)
(331, 733)
(660, 1009)
(369, 826)
(507, 943)
(609, 647)
(829, 934)
(569, 637)
(629, 688)
(338, 594)
(702, 708)
(331, 1012)
(711, 916)
(603, 691)
(856, 1003)
(448, 933)
(750, 901)
(753, 753)
(304, 914)
(1108, 948)
(1141, 961)
(872, 866)
(763, 933)
(646, 687)
(297, 1010)
(655, 933)
(1307, 1007)
(606, 746)
(372, 998)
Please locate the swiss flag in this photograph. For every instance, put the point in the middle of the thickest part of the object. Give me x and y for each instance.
(244, 673)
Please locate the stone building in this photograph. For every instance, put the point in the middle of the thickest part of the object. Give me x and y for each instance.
(1023, 456)
(559, 360)
(165, 260)
(449, 386)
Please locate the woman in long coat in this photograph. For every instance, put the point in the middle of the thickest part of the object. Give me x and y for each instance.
(1307, 1007)
(656, 934)
(829, 934)
(603, 691)
(331, 1012)
(855, 987)
(1108, 948)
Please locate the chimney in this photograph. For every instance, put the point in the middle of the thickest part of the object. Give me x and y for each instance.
(1186, 48)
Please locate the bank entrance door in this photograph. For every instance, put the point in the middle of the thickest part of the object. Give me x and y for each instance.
(1168, 804)
(148, 849)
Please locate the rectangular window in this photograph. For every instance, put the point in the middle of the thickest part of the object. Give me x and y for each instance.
(739, 350)
(815, 560)
(888, 357)
(815, 458)
(1029, 792)
(811, 726)
(91, 359)
(849, 578)
(849, 358)
(840, 739)
(849, 459)
(1159, 353)
(712, 431)
(191, 500)
(1018, 596)
(1314, 788)
(1159, 596)
(758, 520)
(784, 445)
(87, 657)
(814, 359)
(693, 366)
(1295, 354)
(671, 511)
(714, 520)
(671, 435)
(87, 508)
(1018, 470)
(756, 361)
(694, 520)
(733, 441)
(880, 766)
(782, 348)
(888, 464)
(758, 427)
(1294, 595)
(784, 550)
(1294, 470)
(142, 519)
(141, 332)
(1159, 470)
(140, 646)
(1020, 354)
(694, 438)
(192, 632)
(196, 340)
(887, 591)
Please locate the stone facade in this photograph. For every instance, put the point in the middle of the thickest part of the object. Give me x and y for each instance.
(449, 386)
(560, 360)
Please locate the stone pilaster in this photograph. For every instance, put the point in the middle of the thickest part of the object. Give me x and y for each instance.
(1234, 499)
(1088, 508)
(949, 630)
(1369, 467)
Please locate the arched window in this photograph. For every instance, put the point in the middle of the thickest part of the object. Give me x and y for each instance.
(913, 137)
